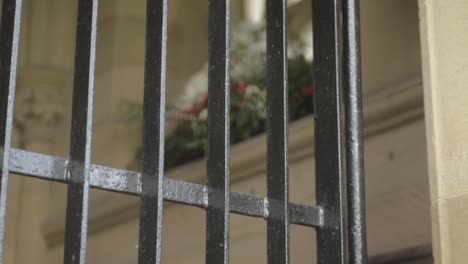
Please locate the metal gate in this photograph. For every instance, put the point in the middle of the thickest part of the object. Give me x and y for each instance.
(338, 215)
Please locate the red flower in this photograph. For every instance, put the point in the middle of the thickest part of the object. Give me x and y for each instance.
(241, 87)
(308, 90)
(192, 111)
(204, 102)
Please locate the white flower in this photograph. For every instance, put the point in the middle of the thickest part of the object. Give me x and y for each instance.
(260, 106)
(248, 62)
(253, 89)
(203, 114)
(195, 89)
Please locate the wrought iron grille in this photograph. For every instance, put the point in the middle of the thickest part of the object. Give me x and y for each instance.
(338, 215)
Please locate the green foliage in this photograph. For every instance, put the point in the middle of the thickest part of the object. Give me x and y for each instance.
(187, 139)
(300, 79)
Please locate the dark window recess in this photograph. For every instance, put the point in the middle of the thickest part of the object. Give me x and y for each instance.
(416, 255)
(338, 215)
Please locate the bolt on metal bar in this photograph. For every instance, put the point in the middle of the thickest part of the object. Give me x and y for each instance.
(277, 133)
(217, 212)
(9, 45)
(151, 210)
(329, 149)
(81, 134)
(354, 142)
(128, 182)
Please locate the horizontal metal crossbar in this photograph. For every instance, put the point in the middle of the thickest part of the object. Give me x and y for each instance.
(117, 180)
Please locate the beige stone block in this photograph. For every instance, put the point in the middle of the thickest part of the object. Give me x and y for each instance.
(390, 42)
(450, 229)
(445, 64)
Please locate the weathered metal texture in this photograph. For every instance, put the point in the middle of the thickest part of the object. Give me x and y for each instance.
(53, 168)
(78, 167)
(9, 44)
(277, 133)
(151, 212)
(329, 131)
(217, 212)
(354, 143)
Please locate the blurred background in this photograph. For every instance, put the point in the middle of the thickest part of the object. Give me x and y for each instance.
(398, 206)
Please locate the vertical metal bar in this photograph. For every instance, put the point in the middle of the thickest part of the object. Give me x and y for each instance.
(9, 45)
(329, 152)
(277, 134)
(217, 213)
(354, 144)
(81, 133)
(151, 210)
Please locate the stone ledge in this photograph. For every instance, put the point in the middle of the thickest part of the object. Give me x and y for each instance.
(385, 109)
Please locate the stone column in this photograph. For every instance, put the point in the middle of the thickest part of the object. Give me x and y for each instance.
(39, 110)
(444, 41)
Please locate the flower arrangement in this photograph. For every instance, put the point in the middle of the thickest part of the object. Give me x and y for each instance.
(187, 133)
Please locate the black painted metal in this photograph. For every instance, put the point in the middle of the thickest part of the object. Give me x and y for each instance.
(277, 133)
(81, 134)
(217, 212)
(127, 182)
(333, 38)
(354, 148)
(151, 212)
(329, 149)
(9, 39)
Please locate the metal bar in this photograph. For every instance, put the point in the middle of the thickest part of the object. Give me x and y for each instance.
(9, 45)
(306, 215)
(329, 152)
(217, 212)
(151, 210)
(81, 134)
(128, 182)
(354, 142)
(277, 133)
